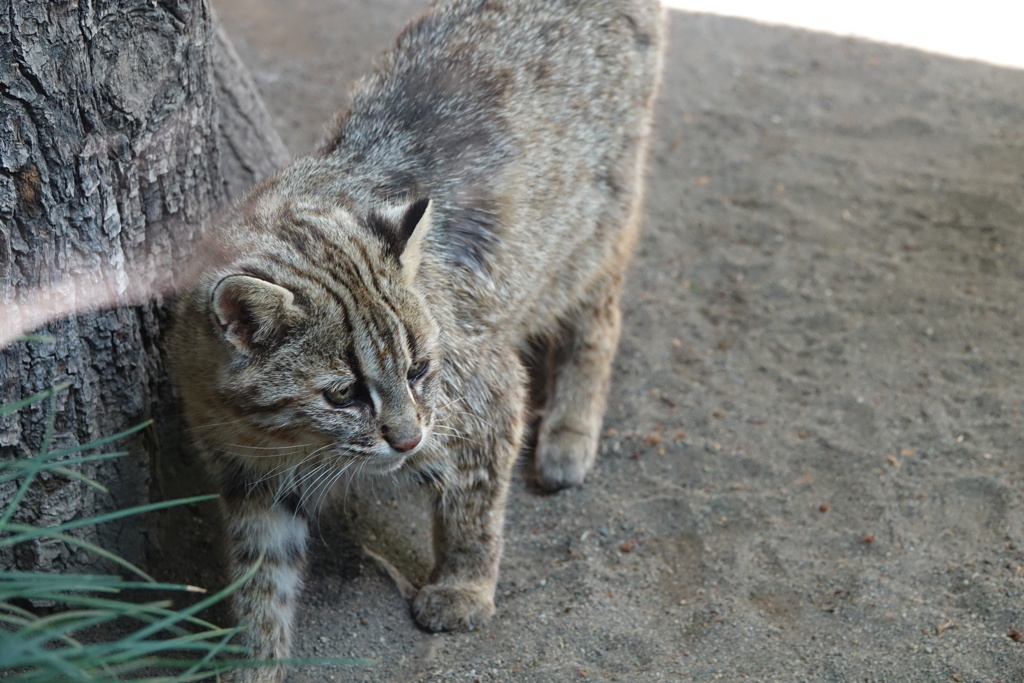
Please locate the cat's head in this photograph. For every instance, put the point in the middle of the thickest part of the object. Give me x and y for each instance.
(324, 341)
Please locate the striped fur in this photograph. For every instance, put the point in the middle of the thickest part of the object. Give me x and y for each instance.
(368, 310)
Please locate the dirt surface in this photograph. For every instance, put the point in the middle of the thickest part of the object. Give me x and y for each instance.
(812, 466)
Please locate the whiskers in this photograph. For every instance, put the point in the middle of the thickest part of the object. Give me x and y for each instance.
(316, 483)
(211, 425)
(239, 450)
(442, 425)
(303, 476)
(316, 475)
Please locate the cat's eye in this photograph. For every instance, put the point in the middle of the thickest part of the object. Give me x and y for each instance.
(340, 395)
(417, 370)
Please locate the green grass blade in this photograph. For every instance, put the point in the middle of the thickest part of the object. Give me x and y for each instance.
(122, 608)
(78, 476)
(98, 442)
(85, 545)
(46, 648)
(205, 602)
(59, 625)
(14, 469)
(28, 535)
(51, 424)
(34, 398)
(17, 620)
(16, 580)
(54, 663)
(15, 612)
(19, 495)
(213, 652)
(37, 641)
(83, 582)
(15, 501)
(45, 338)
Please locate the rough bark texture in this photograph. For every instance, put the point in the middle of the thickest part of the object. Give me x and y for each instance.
(123, 126)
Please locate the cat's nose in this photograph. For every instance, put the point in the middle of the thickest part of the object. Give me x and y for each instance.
(406, 444)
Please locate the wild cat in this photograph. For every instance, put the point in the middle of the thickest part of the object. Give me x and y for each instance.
(373, 305)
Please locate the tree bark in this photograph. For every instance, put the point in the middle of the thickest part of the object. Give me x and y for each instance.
(123, 127)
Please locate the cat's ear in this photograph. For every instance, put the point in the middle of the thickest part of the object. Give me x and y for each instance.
(415, 224)
(250, 311)
(402, 227)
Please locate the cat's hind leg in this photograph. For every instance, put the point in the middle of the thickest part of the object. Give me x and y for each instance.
(570, 424)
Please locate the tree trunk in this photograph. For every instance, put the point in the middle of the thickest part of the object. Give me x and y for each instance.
(123, 127)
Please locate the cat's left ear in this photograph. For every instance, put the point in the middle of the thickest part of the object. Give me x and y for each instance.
(415, 224)
(403, 227)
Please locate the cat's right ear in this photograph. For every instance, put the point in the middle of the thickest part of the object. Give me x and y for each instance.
(250, 311)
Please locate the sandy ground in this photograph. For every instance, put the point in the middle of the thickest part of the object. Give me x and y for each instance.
(812, 467)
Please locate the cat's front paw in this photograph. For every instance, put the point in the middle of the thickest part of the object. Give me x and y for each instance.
(564, 458)
(440, 607)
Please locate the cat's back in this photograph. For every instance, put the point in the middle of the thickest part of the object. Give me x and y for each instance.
(474, 87)
(524, 122)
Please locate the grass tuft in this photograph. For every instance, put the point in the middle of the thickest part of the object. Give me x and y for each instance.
(99, 628)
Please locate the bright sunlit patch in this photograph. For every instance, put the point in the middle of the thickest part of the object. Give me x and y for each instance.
(988, 30)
